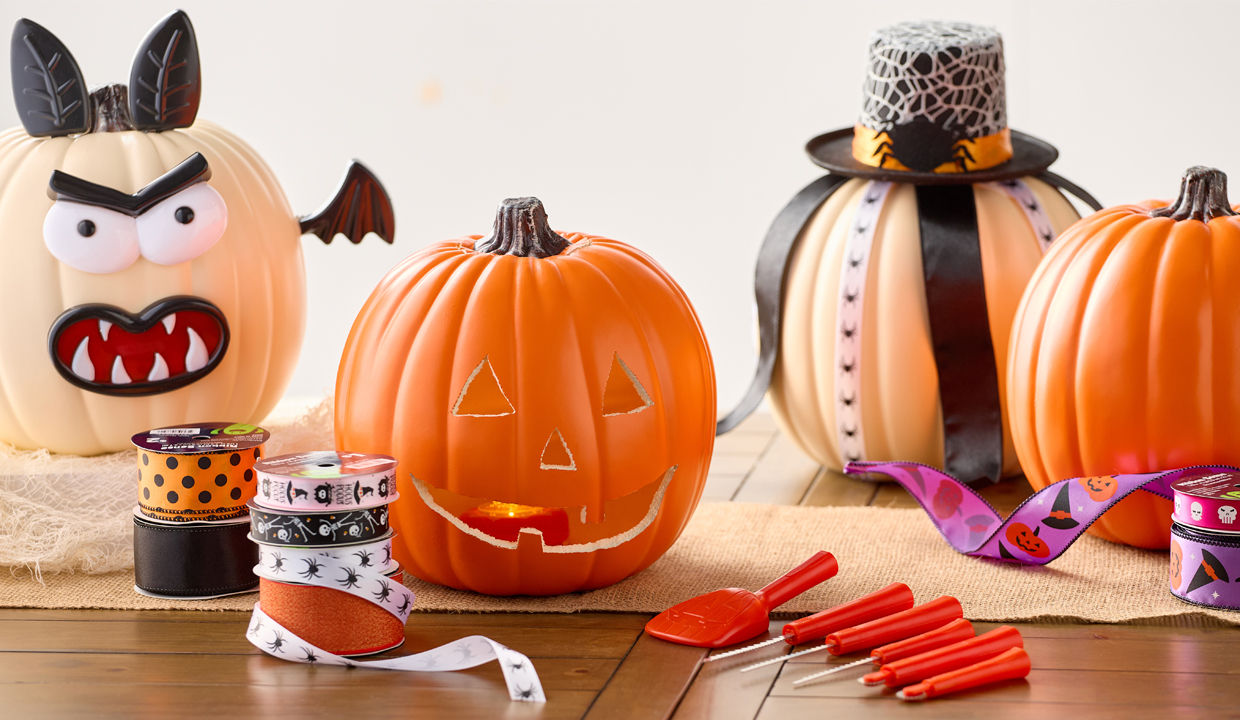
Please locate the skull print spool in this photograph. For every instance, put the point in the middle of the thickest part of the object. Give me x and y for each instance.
(1208, 501)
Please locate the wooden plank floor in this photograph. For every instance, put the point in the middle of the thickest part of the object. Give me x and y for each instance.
(57, 663)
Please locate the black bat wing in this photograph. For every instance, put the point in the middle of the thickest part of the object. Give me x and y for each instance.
(360, 206)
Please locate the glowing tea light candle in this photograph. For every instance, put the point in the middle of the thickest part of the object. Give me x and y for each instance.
(505, 521)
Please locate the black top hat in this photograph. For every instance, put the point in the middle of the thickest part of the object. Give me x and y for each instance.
(935, 112)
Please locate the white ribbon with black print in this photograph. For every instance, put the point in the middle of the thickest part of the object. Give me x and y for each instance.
(281, 562)
(348, 574)
(853, 273)
(1032, 207)
(523, 683)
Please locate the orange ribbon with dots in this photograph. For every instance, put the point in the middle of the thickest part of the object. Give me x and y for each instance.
(195, 473)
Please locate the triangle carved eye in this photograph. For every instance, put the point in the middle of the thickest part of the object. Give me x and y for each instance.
(555, 454)
(623, 394)
(481, 395)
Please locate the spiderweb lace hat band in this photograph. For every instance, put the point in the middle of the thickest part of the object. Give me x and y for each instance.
(934, 99)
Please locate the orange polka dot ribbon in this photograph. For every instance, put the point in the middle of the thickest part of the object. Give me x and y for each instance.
(199, 472)
(325, 480)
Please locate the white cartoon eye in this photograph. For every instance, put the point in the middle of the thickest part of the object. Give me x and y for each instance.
(89, 238)
(183, 226)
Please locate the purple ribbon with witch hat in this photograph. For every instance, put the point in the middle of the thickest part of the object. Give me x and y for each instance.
(1199, 562)
(1041, 528)
(1051, 519)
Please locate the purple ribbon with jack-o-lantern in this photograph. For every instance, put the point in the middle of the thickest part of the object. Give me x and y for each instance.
(1044, 525)
(1199, 562)
(1051, 519)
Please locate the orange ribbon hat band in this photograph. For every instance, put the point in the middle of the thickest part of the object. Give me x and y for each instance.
(881, 149)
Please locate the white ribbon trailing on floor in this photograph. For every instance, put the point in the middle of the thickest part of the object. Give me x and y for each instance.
(347, 575)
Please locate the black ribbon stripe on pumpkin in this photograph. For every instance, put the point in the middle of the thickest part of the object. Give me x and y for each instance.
(770, 276)
(951, 260)
(1065, 185)
(956, 301)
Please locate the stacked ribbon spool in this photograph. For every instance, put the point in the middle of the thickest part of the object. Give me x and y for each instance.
(194, 483)
(320, 520)
(329, 590)
(1205, 539)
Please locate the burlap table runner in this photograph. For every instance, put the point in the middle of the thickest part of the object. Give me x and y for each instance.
(745, 545)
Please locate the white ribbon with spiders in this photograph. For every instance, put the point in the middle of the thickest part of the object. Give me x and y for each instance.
(348, 574)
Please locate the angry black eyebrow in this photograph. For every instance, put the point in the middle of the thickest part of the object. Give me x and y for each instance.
(192, 169)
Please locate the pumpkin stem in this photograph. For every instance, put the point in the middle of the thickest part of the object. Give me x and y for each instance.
(110, 106)
(521, 229)
(1203, 196)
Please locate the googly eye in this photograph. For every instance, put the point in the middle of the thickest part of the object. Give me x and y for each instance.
(184, 226)
(89, 238)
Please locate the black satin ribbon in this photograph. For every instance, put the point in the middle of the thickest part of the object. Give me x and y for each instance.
(768, 288)
(951, 264)
(193, 560)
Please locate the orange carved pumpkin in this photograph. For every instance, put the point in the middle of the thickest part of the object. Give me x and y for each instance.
(551, 401)
(1125, 352)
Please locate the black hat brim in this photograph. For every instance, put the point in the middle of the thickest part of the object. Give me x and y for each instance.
(833, 151)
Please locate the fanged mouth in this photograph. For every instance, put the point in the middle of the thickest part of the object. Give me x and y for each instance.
(169, 344)
(572, 533)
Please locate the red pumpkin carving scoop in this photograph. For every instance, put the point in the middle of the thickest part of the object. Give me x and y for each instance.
(732, 615)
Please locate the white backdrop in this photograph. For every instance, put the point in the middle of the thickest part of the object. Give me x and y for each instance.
(677, 127)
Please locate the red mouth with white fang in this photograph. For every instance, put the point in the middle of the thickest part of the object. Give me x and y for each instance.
(168, 345)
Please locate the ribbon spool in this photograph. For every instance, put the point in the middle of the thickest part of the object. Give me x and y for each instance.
(325, 597)
(317, 529)
(336, 621)
(325, 480)
(200, 472)
(1205, 539)
(192, 561)
(374, 556)
(1208, 502)
(1199, 562)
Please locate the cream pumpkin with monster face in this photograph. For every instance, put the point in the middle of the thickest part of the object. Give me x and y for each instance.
(154, 268)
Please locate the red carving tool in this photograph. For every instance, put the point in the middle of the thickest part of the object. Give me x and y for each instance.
(946, 659)
(733, 615)
(906, 624)
(1011, 664)
(891, 599)
(956, 631)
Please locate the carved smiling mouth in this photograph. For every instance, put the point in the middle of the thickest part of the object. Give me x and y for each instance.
(169, 344)
(561, 530)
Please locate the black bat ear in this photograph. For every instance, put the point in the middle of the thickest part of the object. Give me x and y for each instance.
(165, 82)
(48, 88)
(361, 205)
